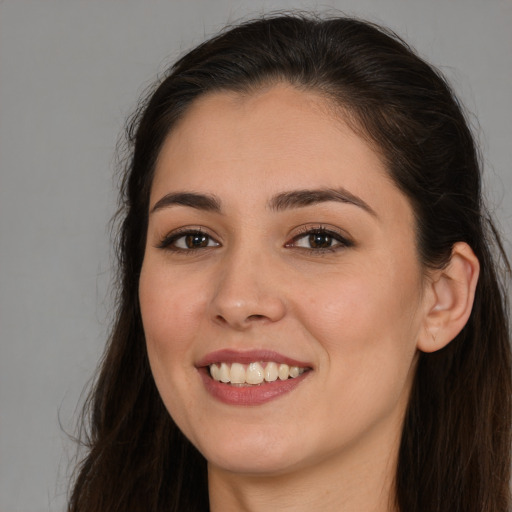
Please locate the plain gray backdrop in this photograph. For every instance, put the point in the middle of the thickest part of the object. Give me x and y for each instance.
(70, 73)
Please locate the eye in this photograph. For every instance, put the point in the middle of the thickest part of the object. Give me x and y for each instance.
(188, 241)
(315, 241)
(319, 239)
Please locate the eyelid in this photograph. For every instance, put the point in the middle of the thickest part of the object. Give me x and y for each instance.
(343, 239)
(167, 241)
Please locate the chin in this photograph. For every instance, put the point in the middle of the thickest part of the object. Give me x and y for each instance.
(255, 466)
(249, 455)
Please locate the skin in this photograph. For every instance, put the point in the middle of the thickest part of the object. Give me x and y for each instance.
(356, 313)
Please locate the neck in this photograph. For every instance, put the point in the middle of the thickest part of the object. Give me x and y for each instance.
(350, 482)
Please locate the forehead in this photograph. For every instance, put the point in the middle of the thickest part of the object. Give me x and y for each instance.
(271, 122)
(267, 142)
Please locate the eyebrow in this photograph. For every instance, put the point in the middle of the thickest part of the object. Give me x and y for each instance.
(280, 202)
(205, 202)
(302, 198)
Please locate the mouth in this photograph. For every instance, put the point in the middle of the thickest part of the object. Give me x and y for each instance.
(254, 373)
(250, 377)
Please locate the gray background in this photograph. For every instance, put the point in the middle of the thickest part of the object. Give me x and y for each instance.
(70, 73)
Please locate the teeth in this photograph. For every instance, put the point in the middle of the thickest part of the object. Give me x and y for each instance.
(237, 375)
(215, 372)
(283, 372)
(255, 373)
(294, 372)
(270, 372)
(224, 373)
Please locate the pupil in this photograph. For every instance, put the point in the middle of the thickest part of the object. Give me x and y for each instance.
(320, 240)
(196, 240)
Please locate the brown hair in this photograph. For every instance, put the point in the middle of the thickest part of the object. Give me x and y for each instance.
(455, 447)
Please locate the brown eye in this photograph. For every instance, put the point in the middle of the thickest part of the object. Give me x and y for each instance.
(320, 240)
(196, 240)
(188, 241)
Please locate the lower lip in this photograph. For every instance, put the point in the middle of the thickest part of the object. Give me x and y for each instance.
(249, 395)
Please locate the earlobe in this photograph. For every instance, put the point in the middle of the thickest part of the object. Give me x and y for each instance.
(451, 293)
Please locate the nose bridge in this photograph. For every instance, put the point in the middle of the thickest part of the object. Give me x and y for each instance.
(247, 288)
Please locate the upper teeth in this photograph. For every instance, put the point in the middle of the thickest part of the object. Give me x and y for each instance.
(254, 373)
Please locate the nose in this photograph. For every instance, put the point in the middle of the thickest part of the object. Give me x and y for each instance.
(247, 292)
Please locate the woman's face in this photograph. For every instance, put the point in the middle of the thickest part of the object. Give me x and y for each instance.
(280, 258)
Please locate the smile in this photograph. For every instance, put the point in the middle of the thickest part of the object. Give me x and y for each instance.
(254, 373)
(251, 377)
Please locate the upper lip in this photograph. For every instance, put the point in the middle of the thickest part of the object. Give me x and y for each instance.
(248, 356)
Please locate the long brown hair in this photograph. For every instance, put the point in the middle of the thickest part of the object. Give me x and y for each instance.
(455, 447)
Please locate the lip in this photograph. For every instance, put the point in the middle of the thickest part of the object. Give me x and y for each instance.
(248, 356)
(249, 395)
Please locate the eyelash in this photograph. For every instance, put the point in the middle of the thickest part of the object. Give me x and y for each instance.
(340, 241)
(170, 240)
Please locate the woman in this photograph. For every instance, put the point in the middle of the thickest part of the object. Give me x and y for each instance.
(310, 315)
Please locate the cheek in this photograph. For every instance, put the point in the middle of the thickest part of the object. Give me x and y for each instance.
(171, 309)
(366, 320)
(368, 334)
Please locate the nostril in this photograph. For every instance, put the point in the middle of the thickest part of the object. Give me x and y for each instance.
(255, 317)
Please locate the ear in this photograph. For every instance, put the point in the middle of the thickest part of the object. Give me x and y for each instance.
(449, 299)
